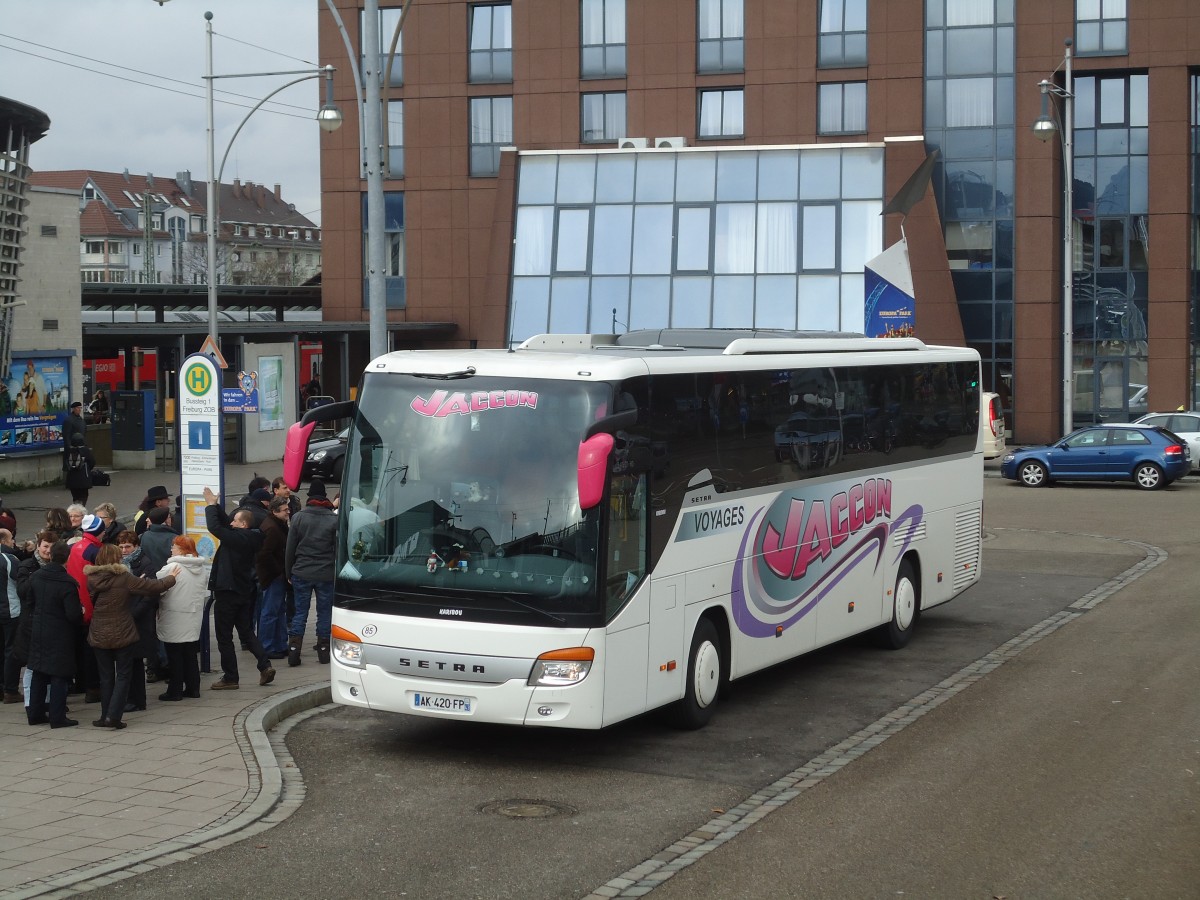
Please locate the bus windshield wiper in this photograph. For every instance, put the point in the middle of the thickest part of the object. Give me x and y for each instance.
(468, 372)
(511, 596)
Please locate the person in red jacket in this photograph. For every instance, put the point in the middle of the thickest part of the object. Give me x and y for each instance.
(83, 553)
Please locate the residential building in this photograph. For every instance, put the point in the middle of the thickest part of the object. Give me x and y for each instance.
(261, 239)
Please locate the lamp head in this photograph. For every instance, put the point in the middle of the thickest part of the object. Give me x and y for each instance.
(329, 117)
(1044, 128)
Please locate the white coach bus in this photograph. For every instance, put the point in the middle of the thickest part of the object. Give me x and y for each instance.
(592, 526)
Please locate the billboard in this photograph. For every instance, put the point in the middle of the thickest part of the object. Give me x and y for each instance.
(34, 395)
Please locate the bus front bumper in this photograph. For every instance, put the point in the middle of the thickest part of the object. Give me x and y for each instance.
(512, 702)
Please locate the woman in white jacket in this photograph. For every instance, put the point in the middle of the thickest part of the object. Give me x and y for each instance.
(180, 614)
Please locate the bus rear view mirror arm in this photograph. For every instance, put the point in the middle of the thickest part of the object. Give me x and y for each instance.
(611, 424)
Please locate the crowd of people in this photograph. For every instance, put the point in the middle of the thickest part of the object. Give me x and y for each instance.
(99, 608)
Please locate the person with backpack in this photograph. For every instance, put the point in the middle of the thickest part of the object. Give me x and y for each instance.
(72, 425)
(80, 463)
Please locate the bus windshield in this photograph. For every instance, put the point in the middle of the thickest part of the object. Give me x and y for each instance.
(461, 494)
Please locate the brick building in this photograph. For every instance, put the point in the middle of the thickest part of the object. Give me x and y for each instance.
(776, 132)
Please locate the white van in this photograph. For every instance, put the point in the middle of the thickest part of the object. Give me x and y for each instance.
(991, 423)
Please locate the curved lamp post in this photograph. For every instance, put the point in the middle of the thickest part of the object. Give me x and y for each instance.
(1044, 128)
(329, 118)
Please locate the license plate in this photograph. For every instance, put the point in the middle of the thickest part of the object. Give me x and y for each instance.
(447, 703)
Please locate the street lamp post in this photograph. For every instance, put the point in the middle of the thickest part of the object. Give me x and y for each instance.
(372, 153)
(329, 118)
(1044, 128)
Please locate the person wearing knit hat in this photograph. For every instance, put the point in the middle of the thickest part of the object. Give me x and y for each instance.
(92, 525)
(309, 565)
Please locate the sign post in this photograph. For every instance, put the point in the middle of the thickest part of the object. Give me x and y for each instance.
(201, 457)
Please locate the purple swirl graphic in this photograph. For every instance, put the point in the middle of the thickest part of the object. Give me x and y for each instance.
(868, 549)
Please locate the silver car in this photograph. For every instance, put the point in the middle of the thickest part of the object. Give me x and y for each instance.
(1184, 424)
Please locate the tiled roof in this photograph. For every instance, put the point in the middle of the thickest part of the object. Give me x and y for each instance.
(97, 220)
(248, 202)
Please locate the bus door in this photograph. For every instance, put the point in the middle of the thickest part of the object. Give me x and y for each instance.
(664, 683)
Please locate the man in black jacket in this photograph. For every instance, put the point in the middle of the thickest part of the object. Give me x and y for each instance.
(234, 589)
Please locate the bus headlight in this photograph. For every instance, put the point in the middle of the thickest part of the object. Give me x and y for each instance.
(347, 648)
(562, 668)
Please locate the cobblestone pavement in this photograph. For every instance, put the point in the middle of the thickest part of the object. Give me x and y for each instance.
(79, 803)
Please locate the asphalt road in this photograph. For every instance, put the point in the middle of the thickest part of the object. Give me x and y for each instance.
(1070, 771)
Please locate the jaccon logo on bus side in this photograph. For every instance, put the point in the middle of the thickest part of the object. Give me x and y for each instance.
(443, 403)
(796, 551)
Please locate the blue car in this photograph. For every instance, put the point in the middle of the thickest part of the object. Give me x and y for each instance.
(1149, 457)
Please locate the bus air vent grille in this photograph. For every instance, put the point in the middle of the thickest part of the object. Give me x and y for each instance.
(966, 547)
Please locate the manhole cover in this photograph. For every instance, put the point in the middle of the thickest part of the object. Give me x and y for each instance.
(527, 809)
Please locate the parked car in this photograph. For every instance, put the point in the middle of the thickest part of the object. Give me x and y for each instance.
(991, 423)
(1150, 457)
(1185, 424)
(326, 458)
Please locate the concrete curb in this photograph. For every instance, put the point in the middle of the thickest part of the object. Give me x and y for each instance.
(275, 791)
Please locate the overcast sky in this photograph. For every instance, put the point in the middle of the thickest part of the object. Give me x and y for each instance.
(133, 122)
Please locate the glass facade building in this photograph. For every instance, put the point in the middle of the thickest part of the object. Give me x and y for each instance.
(756, 238)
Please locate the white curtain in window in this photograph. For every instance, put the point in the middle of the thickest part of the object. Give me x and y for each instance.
(709, 13)
(731, 116)
(591, 21)
(732, 19)
(734, 239)
(481, 120)
(502, 27)
(776, 238)
(854, 104)
(481, 28)
(502, 120)
(968, 102)
(710, 113)
(831, 16)
(614, 21)
(970, 12)
(531, 255)
(614, 116)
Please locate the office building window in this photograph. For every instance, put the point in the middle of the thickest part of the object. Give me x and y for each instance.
(721, 114)
(491, 129)
(602, 39)
(603, 117)
(388, 19)
(395, 139)
(491, 44)
(842, 108)
(843, 38)
(394, 248)
(720, 43)
(1100, 27)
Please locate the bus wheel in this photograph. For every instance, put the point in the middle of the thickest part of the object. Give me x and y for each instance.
(703, 679)
(906, 606)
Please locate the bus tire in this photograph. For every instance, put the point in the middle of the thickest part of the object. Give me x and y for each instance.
(703, 685)
(906, 609)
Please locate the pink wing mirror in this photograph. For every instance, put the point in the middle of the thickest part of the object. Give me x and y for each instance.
(593, 465)
(295, 449)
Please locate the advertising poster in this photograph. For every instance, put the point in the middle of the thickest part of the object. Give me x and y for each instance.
(889, 308)
(244, 397)
(34, 394)
(270, 393)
